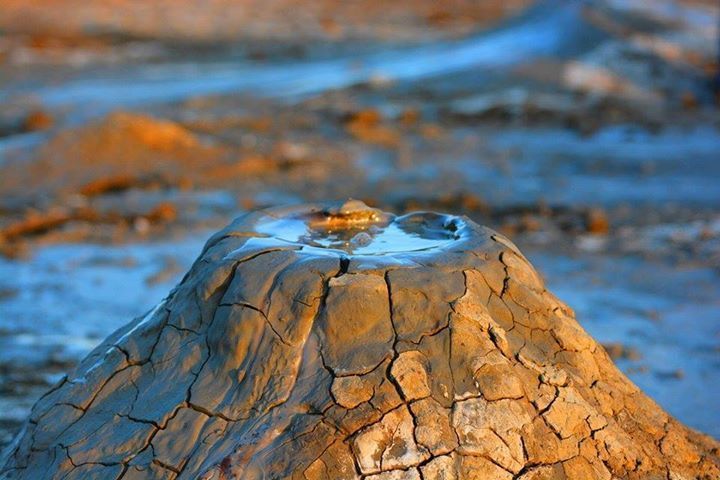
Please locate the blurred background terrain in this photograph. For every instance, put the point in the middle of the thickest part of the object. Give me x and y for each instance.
(586, 131)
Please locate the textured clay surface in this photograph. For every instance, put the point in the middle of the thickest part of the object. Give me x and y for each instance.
(336, 354)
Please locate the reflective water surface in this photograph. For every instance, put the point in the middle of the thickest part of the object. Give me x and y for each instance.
(403, 234)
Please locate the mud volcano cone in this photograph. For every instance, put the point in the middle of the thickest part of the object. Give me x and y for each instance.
(346, 343)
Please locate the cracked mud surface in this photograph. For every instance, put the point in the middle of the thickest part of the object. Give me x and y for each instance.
(281, 359)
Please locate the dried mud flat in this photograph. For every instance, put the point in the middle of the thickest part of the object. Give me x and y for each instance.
(348, 343)
(225, 21)
(588, 134)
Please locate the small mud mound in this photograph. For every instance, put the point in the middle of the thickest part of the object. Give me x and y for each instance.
(345, 342)
(121, 151)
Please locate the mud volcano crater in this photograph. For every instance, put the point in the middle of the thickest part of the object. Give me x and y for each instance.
(343, 342)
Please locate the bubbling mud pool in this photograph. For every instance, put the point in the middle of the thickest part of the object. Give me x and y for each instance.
(360, 230)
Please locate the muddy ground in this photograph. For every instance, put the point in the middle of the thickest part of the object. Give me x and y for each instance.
(588, 132)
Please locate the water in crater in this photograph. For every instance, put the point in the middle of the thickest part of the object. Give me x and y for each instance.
(380, 236)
